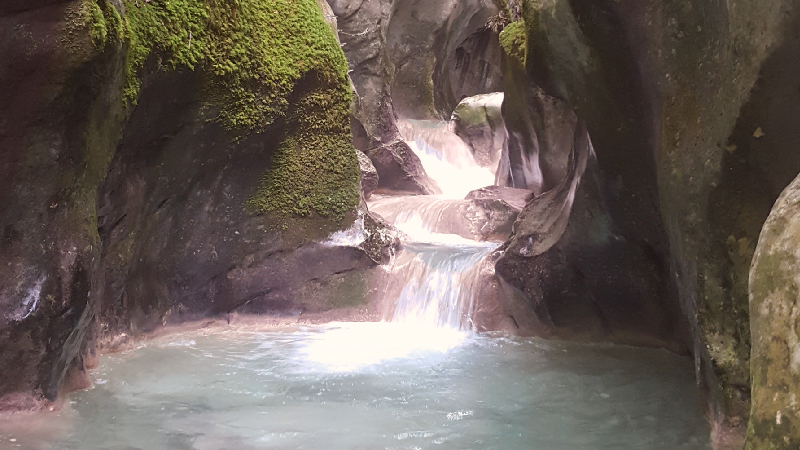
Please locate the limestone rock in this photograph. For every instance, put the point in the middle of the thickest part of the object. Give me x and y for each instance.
(421, 71)
(479, 122)
(116, 220)
(567, 272)
(417, 75)
(59, 129)
(369, 175)
(400, 170)
(664, 90)
(539, 133)
(775, 320)
(473, 68)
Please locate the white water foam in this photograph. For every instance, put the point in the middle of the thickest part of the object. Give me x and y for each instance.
(352, 346)
(434, 280)
(446, 158)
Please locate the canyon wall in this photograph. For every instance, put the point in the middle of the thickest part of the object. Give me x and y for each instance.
(165, 162)
(688, 106)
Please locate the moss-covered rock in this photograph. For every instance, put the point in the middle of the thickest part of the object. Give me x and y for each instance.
(151, 153)
(775, 328)
(252, 55)
(514, 40)
(315, 168)
(254, 51)
(478, 122)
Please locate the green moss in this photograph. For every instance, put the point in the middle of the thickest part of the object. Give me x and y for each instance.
(92, 18)
(470, 115)
(254, 51)
(97, 29)
(315, 168)
(513, 40)
(253, 54)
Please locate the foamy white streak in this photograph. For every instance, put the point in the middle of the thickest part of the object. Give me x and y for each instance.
(455, 179)
(351, 346)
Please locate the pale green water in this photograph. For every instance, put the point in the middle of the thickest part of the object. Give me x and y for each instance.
(375, 386)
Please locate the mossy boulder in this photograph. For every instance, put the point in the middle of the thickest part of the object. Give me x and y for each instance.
(165, 161)
(775, 328)
(478, 121)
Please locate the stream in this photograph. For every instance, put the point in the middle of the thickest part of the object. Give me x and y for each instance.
(420, 379)
(357, 386)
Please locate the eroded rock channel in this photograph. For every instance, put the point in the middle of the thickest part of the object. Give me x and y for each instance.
(399, 223)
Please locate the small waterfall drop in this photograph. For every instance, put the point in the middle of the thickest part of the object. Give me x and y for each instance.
(446, 158)
(434, 281)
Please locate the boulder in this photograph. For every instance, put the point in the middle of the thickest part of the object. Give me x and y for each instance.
(478, 121)
(400, 170)
(775, 327)
(515, 198)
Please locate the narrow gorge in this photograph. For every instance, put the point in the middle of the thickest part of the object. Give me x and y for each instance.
(406, 224)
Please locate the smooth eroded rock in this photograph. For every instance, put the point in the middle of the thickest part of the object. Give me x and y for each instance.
(775, 328)
(671, 98)
(479, 122)
(400, 170)
(369, 175)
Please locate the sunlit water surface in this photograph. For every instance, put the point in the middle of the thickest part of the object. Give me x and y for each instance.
(374, 386)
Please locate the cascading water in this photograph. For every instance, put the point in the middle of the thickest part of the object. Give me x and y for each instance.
(417, 381)
(437, 272)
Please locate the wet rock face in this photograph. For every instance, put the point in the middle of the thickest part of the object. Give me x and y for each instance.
(473, 68)
(369, 175)
(573, 268)
(178, 240)
(539, 134)
(775, 316)
(667, 93)
(421, 58)
(539, 127)
(413, 59)
(58, 131)
(374, 121)
(569, 273)
(119, 220)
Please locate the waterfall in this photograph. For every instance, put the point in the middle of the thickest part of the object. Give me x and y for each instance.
(445, 157)
(441, 284)
(434, 280)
